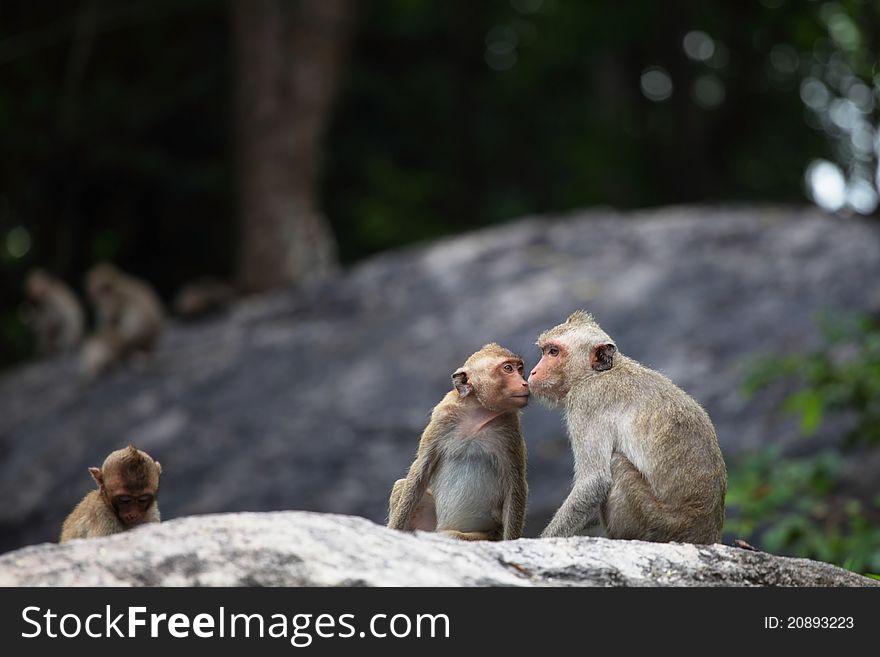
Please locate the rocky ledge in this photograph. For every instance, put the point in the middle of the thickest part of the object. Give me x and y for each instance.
(295, 548)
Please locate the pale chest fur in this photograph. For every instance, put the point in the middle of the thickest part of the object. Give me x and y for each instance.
(468, 484)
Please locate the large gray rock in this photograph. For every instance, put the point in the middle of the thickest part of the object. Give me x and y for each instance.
(315, 399)
(309, 549)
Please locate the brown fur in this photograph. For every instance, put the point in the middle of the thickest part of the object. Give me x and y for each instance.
(92, 517)
(125, 472)
(136, 468)
(647, 460)
(468, 480)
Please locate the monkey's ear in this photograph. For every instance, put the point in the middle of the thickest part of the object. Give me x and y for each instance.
(602, 356)
(460, 382)
(97, 475)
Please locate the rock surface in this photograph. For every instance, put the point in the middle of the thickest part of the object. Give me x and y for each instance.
(315, 399)
(297, 548)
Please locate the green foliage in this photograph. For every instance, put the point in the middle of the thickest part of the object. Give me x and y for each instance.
(789, 506)
(794, 506)
(841, 375)
(481, 112)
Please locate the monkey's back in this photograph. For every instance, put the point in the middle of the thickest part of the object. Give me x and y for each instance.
(682, 459)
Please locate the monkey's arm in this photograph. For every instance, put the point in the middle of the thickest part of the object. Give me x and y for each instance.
(591, 485)
(580, 509)
(414, 487)
(514, 510)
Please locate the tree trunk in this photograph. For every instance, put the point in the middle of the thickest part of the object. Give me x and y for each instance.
(288, 63)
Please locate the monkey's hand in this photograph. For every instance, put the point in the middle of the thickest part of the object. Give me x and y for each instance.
(557, 530)
(580, 509)
(399, 519)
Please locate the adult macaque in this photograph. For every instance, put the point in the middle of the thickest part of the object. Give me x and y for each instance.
(647, 461)
(128, 484)
(53, 313)
(128, 318)
(468, 480)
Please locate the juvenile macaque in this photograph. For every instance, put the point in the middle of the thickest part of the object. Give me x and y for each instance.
(647, 461)
(128, 318)
(468, 480)
(128, 484)
(201, 297)
(53, 313)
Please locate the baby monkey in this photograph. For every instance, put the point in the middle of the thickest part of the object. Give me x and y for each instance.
(468, 480)
(128, 483)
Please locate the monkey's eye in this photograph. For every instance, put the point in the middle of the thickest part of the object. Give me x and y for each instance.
(145, 499)
(508, 368)
(123, 499)
(553, 351)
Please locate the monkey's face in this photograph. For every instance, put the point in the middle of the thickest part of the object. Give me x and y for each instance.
(548, 380)
(494, 377)
(130, 506)
(499, 384)
(570, 353)
(128, 482)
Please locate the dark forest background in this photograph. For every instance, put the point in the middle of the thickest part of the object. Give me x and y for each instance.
(118, 121)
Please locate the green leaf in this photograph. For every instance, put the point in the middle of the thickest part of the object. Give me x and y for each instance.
(810, 405)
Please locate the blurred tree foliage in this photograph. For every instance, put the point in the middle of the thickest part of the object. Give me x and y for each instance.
(115, 121)
(796, 505)
(479, 112)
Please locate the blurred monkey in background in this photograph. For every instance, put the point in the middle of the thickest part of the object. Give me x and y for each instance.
(129, 318)
(53, 313)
